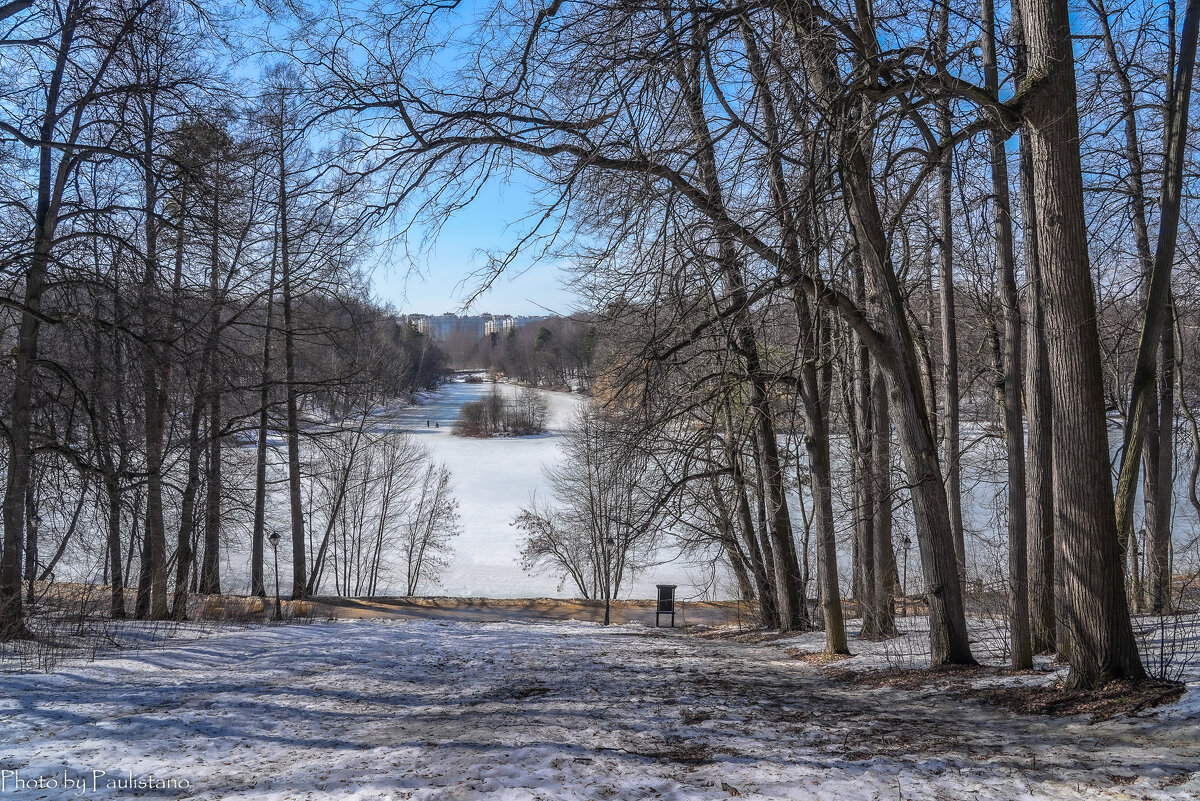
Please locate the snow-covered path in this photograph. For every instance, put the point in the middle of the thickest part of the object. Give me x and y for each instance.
(450, 710)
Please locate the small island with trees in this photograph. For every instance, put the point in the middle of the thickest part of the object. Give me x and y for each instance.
(499, 413)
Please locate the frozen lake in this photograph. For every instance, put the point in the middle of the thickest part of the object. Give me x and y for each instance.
(493, 479)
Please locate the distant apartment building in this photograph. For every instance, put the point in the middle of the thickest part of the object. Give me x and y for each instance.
(501, 324)
(441, 327)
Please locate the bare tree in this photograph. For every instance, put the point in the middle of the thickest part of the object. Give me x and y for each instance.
(599, 531)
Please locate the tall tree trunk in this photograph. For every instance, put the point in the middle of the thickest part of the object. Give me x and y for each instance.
(1159, 292)
(112, 488)
(31, 536)
(863, 469)
(949, 316)
(210, 566)
(758, 548)
(745, 342)
(258, 532)
(45, 223)
(299, 574)
(185, 551)
(816, 441)
(1102, 645)
(154, 388)
(813, 394)
(1020, 646)
(1158, 546)
(897, 356)
(1039, 496)
(786, 565)
(884, 613)
(1141, 237)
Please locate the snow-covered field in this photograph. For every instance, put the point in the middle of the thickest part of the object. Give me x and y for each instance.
(493, 479)
(456, 710)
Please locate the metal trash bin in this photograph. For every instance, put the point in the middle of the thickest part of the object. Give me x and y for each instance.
(666, 603)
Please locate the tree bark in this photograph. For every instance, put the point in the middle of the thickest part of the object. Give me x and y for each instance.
(884, 614)
(258, 532)
(210, 565)
(863, 484)
(299, 575)
(45, 223)
(951, 401)
(1020, 642)
(1039, 496)
(1101, 645)
(1158, 546)
(112, 488)
(154, 378)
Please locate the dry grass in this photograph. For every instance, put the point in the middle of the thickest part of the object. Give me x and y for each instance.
(815, 657)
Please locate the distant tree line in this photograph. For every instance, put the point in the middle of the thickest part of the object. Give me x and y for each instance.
(556, 352)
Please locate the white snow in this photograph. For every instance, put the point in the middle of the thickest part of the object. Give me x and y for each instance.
(493, 478)
(457, 710)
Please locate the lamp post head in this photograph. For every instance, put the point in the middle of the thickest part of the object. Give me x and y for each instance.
(907, 542)
(274, 539)
(37, 520)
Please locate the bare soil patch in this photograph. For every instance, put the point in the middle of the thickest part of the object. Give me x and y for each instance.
(914, 678)
(1115, 699)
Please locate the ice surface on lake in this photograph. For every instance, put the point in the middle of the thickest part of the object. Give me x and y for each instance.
(493, 478)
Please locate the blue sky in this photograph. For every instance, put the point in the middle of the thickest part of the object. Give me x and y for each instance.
(492, 222)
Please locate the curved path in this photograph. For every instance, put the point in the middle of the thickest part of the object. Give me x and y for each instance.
(463, 710)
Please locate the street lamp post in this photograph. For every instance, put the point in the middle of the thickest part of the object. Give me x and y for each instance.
(274, 540)
(608, 571)
(907, 541)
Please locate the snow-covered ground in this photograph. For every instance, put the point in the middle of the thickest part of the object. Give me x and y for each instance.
(457, 710)
(491, 480)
